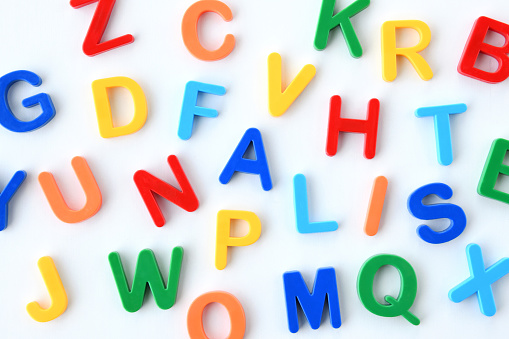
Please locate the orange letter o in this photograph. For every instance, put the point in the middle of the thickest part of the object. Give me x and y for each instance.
(232, 305)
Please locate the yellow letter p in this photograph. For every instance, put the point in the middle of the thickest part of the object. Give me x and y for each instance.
(223, 238)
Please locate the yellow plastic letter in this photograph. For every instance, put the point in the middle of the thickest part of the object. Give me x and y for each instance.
(56, 292)
(223, 239)
(280, 101)
(103, 109)
(390, 52)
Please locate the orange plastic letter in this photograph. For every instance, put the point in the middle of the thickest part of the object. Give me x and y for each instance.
(232, 305)
(190, 30)
(57, 202)
(376, 205)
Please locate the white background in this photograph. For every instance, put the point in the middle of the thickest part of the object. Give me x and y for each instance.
(45, 37)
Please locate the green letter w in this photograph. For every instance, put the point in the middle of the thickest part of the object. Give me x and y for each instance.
(147, 272)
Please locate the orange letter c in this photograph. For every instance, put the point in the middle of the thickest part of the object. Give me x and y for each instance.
(190, 30)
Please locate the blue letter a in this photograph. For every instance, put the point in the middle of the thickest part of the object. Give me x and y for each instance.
(238, 163)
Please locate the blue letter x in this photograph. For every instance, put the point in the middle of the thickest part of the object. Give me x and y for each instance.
(480, 280)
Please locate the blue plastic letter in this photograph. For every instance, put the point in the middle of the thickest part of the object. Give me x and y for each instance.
(312, 303)
(429, 212)
(238, 163)
(440, 115)
(300, 199)
(7, 194)
(189, 108)
(7, 118)
(480, 280)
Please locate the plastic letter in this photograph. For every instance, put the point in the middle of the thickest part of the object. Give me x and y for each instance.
(312, 304)
(338, 124)
(147, 273)
(223, 239)
(190, 30)
(492, 168)
(476, 45)
(92, 44)
(440, 116)
(148, 185)
(6, 195)
(238, 163)
(56, 292)
(300, 199)
(429, 212)
(328, 21)
(233, 307)
(103, 109)
(7, 118)
(279, 101)
(390, 52)
(396, 306)
(189, 108)
(480, 280)
(57, 202)
(376, 205)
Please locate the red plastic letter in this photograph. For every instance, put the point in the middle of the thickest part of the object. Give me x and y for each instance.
(338, 124)
(92, 44)
(148, 185)
(475, 45)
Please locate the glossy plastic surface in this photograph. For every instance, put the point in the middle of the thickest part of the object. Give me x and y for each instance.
(92, 44)
(190, 110)
(223, 238)
(442, 122)
(312, 304)
(390, 51)
(480, 280)
(493, 167)
(338, 124)
(6, 195)
(300, 200)
(233, 307)
(328, 21)
(376, 205)
(281, 99)
(7, 117)
(475, 45)
(56, 292)
(103, 108)
(57, 202)
(147, 273)
(408, 290)
(238, 163)
(454, 213)
(190, 30)
(148, 185)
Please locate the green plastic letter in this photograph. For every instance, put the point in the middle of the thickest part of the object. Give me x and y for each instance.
(492, 168)
(328, 21)
(407, 293)
(147, 272)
